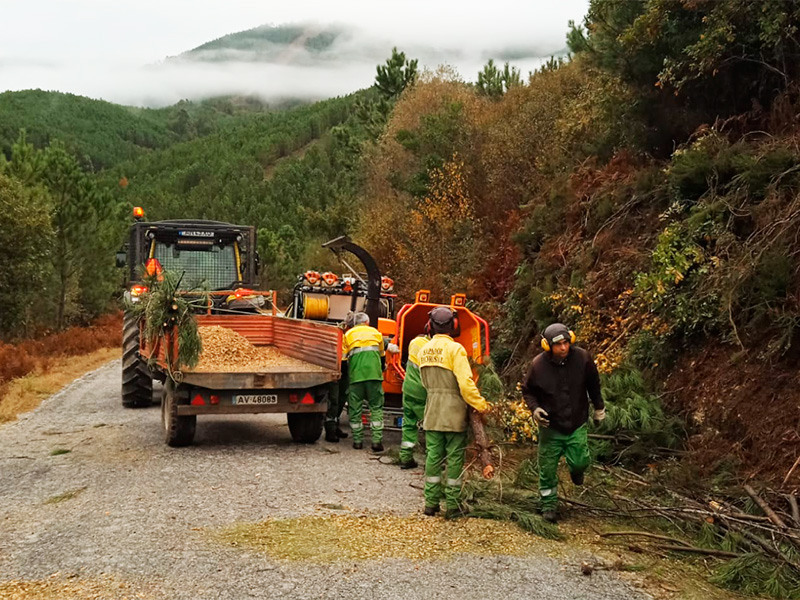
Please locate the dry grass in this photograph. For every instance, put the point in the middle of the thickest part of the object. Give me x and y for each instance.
(26, 393)
(65, 496)
(60, 587)
(334, 538)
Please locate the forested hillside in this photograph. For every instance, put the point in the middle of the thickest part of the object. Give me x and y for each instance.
(294, 174)
(101, 134)
(645, 192)
(266, 43)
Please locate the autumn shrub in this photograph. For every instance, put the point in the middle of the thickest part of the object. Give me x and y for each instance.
(21, 358)
(14, 362)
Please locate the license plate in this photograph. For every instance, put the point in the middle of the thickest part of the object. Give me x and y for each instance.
(255, 399)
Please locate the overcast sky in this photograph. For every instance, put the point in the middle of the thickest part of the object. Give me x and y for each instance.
(98, 48)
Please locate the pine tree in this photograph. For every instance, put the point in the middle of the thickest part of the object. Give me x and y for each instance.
(494, 83)
(396, 74)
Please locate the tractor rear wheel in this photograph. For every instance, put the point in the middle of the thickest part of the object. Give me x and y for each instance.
(305, 427)
(178, 430)
(137, 382)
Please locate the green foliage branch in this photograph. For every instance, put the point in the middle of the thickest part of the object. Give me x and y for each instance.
(166, 308)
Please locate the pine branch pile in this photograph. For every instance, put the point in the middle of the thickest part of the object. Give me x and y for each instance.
(165, 307)
(761, 551)
(510, 496)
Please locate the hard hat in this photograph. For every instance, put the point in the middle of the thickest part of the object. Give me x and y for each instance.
(442, 315)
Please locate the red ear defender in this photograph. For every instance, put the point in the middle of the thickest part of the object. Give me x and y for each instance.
(456, 325)
(428, 329)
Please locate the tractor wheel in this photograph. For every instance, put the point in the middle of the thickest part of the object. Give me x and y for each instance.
(137, 382)
(305, 427)
(178, 431)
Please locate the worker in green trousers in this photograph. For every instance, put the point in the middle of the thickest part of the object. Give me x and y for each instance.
(414, 396)
(557, 388)
(447, 377)
(337, 393)
(364, 348)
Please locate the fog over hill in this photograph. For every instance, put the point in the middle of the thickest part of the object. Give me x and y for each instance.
(304, 59)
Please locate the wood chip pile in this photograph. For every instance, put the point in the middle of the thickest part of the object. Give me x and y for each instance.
(224, 350)
(350, 538)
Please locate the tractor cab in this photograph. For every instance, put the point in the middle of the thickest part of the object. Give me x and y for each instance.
(212, 256)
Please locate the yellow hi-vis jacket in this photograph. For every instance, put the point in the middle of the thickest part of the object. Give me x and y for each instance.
(363, 347)
(412, 384)
(447, 377)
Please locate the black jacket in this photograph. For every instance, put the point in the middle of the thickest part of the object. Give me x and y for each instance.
(563, 390)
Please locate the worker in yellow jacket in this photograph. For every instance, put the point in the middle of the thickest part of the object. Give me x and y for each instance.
(447, 377)
(363, 347)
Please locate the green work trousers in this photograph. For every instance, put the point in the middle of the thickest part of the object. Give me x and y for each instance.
(444, 447)
(337, 396)
(574, 447)
(413, 412)
(372, 393)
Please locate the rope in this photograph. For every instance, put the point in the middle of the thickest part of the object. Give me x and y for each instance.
(315, 308)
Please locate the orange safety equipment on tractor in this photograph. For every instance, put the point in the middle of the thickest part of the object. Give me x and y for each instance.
(329, 278)
(311, 277)
(153, 268)
(555, 333)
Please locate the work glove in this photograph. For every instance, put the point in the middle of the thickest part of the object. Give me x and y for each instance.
(540, 416)
(393, 348)
(599, 414)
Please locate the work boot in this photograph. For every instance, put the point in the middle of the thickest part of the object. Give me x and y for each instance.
(409, 464)
(342, 435)
(453, 513)
(430, 511)
(358, 445)
(377, 447)
(550, 516)
(330, 436)
(577, 478)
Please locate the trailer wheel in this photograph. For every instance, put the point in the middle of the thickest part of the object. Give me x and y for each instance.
(137, 382)
(178, 430)
(305, 427)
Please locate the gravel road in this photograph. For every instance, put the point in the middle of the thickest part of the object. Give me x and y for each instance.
(122, 505)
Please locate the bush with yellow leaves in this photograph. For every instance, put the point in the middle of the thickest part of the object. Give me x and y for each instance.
(514, 418)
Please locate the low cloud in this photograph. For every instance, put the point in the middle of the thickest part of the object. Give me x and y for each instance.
(168, 82)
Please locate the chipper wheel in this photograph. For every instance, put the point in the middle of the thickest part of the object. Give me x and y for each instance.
(305, 427)
(137, 382)
(178, 431)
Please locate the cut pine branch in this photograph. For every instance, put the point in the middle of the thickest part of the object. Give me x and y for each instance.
(696, 550)
(646, 534)
(764, 506)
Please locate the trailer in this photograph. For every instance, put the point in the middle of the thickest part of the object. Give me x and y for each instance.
(297, 387)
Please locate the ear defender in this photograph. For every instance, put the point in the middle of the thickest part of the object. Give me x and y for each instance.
(546, 345)
(456, 325)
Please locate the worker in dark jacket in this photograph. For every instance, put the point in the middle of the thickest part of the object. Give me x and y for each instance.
(559, 384)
